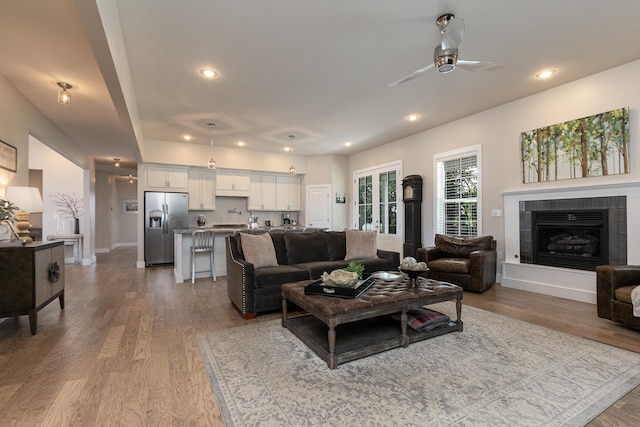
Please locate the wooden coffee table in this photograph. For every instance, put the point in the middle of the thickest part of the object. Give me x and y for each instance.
(340, 330)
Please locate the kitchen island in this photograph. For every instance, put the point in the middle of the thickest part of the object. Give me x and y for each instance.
(182, 249)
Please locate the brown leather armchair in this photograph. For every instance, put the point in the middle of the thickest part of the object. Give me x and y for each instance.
(470, 263)
(614, 284)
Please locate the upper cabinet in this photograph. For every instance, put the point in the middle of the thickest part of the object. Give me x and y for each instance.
(201, 190)
(232, 184)
(167, 178)
(262, 194)
(287, 193)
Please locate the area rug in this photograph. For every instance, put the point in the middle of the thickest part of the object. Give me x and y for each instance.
(497, 372)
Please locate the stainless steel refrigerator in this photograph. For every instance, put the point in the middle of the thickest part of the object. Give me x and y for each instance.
(163, 213)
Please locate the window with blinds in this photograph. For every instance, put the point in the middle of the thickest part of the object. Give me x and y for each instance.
(457, 196)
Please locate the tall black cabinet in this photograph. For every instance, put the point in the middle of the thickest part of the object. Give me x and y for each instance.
(412, 198)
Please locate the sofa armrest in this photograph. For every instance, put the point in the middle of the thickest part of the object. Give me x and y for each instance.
(482, 267)
(608, 279)
(393, 257)
(240, 280)
(428, 254)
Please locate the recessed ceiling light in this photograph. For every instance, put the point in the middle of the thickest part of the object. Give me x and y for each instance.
(347, 144)
(545, 74)
(287, 148)
(209, 73)
(413, 117)
(241, 143)
(187, 137)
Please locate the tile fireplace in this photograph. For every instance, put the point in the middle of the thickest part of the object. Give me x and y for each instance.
(555, 237)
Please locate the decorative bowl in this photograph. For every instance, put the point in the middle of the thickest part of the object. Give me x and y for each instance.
(413, 275)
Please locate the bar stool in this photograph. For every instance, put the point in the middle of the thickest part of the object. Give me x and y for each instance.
(202, 241)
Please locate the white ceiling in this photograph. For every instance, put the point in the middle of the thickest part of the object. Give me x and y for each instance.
(318, 70)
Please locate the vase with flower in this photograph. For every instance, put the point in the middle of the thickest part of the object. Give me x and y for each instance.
(70, 206)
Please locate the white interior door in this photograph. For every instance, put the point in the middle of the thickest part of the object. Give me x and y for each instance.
(319, 206)
(377, 205)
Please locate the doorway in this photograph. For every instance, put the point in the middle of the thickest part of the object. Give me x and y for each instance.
(377, 204)
(319, 206)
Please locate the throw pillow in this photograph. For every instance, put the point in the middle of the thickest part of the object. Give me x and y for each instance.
(258, 250)
(361, 244)
(336, 244)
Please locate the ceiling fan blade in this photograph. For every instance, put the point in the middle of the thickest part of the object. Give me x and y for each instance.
(416, 73)
(452, 34)
(480, 66)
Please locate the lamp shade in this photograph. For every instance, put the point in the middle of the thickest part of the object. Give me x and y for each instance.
(27, 199)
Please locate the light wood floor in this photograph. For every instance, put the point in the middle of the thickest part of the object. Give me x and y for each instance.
(123, 351)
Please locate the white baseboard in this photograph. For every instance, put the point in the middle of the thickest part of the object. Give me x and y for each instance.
(126, 245)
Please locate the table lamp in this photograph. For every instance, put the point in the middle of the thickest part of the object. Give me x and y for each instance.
(28, 200)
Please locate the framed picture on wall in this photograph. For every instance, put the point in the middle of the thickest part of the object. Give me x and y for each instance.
(129, 206)
(8, 157)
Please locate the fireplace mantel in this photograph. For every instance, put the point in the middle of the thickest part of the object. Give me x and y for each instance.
(556, 281)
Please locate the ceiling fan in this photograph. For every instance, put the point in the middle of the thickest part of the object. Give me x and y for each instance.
(445, 55)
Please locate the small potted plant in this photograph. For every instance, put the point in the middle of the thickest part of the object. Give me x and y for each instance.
(7, 213)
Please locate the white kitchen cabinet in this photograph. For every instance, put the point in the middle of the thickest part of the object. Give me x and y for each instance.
(167, 178)
(262, 192)
(201, 190)
(287, 193)
(232, 184)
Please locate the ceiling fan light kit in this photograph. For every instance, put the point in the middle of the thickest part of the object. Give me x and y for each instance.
(445, 61)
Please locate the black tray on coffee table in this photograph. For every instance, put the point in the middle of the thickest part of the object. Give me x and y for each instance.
(320, 288)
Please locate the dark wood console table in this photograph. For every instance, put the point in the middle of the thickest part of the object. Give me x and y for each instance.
(32, 276)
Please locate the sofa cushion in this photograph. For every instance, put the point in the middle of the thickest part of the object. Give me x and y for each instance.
(454, 247)
(316, 269)
(371, 265)
(281, 250)
(305, 247)
(361, 244)
(336, 244)
(276, 276)
(623, 293)
(258, 250)
(450, 265)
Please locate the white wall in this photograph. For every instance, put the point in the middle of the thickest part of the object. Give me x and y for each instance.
(18, 119)
(126, 224)
(498, 130)
(59, 175)
(332, 170)
(103, 217)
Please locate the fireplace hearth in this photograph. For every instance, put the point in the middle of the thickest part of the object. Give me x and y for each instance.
(572, 239)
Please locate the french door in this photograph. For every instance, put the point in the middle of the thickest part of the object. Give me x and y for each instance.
(377, 204)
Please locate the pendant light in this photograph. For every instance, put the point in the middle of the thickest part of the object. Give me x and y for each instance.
(292, 168)
(64, 96)
(212, 163)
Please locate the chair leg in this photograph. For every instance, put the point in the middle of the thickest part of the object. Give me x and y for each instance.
(193, 267)
(212, 265)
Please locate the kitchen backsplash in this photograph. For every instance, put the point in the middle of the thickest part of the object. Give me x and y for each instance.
(233, 210)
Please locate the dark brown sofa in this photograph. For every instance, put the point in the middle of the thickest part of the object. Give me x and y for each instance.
(470, 263)
(614, 284)
(300, 256)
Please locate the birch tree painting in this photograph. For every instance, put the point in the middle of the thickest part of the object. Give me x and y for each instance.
(591, 146)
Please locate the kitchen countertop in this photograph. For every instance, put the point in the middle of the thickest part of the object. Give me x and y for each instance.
(222, 229)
